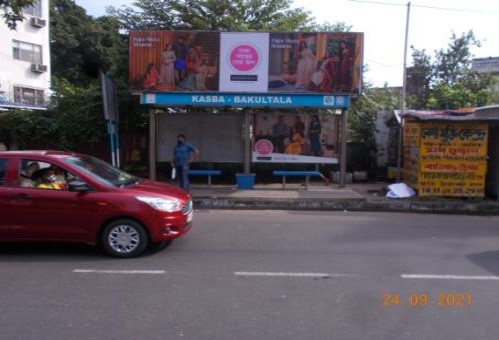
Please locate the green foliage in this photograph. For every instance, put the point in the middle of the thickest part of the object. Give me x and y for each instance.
(81, 46)
(74, 122)
(462, 94)
(339, 26)
(213, 15)
(13, 11)
(453, 64)
(362, 118)
(77, 115)
(74, 42)
(29, 128)
(419, 78)
(447, 81)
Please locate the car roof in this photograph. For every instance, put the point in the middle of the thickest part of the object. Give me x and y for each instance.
(25, 153)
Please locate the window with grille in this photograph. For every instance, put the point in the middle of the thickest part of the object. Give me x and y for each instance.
(28, 96)
(34, 10)
(27, 52)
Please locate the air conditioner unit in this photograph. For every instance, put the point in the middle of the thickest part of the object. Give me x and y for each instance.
(38, 22)
(38, 68)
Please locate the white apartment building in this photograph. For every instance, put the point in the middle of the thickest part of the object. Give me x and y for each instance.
(25, 60)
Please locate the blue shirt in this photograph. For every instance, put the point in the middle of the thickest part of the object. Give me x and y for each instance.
(182, 153)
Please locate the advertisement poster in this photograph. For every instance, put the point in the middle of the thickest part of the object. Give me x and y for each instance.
(244, 62)
(168, 61)
(315, 62)
(411, 139)
(277, 63)
(452, 159)
(300, 138)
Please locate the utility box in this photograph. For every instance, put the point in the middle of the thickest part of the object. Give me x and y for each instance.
(445, 158)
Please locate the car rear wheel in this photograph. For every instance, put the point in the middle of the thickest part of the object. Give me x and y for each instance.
(124, 238)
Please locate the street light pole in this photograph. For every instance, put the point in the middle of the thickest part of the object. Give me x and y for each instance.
(404, 90)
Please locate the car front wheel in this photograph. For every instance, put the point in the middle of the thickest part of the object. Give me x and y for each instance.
(124, 238)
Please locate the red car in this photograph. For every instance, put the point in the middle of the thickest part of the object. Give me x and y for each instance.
(69, 197)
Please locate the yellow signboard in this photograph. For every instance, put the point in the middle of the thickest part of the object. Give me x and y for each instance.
(452, 158)
(411, 153)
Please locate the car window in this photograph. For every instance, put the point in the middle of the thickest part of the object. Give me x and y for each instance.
(103, 172)
(3, 171)
(43, 175)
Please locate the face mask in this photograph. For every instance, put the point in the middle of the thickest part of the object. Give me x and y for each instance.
(179, 141)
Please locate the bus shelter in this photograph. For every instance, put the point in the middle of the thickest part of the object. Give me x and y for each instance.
(248, 97)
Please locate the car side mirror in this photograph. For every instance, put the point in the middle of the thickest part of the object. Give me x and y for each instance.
(79, 186)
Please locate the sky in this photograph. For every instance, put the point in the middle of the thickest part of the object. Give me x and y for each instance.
(383, 22)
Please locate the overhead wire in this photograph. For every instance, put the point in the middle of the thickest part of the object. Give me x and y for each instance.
(469, 10)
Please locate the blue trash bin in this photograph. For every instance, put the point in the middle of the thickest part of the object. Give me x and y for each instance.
(245, 181)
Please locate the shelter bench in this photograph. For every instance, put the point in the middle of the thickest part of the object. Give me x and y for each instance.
(208, 173)
(306, 174)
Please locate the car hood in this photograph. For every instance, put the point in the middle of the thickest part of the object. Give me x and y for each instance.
(159, 188)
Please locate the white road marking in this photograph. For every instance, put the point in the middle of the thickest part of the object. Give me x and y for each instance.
(281, 274)
(294, 274)
(98, 271)
(448, 277)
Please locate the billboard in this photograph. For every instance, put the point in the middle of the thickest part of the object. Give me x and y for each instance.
(299, 138)
(287, 63)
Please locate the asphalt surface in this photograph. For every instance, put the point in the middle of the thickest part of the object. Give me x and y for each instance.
(267, 275)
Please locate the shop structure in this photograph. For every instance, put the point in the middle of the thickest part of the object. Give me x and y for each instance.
(451, 153)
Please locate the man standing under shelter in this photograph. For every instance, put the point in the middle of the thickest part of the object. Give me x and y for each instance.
(183, 154)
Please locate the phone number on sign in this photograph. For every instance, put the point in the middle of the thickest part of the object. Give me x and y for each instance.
(422, 300)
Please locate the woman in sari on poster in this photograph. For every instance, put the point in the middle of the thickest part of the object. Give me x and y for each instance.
(306, 66)
(167, 71)
(344, 67)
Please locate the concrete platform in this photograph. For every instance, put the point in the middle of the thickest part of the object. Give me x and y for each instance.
(354, 197)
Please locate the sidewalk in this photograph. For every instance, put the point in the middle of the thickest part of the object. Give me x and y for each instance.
(354, 197)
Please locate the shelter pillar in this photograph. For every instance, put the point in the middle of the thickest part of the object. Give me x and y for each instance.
(343, 152)
(247, 141)
(152, 144)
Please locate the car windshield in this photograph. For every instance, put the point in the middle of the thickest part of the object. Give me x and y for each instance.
(102, 171)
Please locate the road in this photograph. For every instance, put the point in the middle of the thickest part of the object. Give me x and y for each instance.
(267, 275)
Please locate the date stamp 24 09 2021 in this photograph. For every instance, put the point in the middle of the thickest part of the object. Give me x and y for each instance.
(423, 299)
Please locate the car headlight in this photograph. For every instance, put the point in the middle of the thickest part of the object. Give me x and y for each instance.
(162, 204)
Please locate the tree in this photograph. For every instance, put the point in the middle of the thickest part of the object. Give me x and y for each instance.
(453, 64)
(213, 15)
(77, 115)
(419, 79)
(76, 43)
(339, 26)
(362, 119)
(447, 81)
(81, 47)
(74, 121)
(13, 11)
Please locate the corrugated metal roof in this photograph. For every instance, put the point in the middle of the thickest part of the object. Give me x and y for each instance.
(485, 113)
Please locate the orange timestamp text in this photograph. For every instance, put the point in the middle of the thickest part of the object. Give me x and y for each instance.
(424, 299)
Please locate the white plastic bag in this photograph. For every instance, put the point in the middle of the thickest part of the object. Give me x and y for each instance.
(400, 190)
(174, 173)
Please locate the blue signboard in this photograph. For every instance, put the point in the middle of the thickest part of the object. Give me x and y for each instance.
(245, 100)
